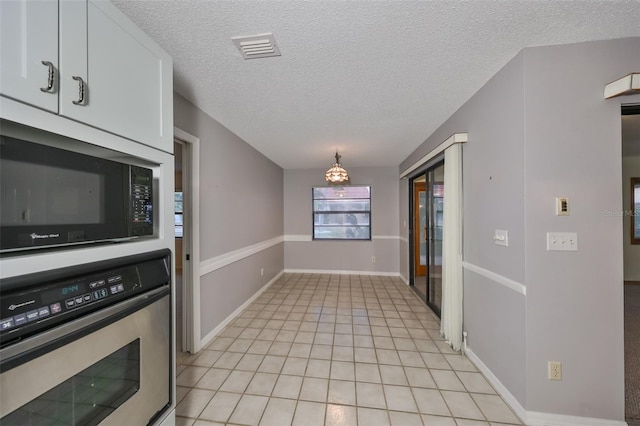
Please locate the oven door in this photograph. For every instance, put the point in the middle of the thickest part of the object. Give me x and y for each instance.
(115, 370)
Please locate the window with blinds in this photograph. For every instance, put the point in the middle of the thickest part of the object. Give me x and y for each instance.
(342, 213)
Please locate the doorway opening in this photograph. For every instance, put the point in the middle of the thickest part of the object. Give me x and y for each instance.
(187, 248)
(426, 209)
(631, 226)
(178, 209)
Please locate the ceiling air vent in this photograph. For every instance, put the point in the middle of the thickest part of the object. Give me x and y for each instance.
(257, 46)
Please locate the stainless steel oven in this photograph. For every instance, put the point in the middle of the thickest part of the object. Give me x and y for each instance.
(87, 345)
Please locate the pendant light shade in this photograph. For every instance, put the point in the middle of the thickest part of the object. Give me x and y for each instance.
(336, 175)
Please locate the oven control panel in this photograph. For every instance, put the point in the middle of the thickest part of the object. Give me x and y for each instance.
(32, 307)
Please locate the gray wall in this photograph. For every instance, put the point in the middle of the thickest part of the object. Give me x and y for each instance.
(241, 204)
(493, 181)
(575, 300)
(224, 290)
(538, 130)
(342, 255)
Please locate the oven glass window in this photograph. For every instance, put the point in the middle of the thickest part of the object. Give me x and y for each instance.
(88, 397)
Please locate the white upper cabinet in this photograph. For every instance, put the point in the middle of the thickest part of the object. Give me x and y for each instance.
(29, 46)
(112, 76)
(73, 55)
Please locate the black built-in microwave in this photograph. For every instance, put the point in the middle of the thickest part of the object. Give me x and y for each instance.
(51, 197)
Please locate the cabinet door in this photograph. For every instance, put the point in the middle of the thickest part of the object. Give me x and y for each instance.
(73, 55)
(128, 78)
(29, 36)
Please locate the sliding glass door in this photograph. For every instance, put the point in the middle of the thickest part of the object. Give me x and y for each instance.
(427, 221)
(420, 235)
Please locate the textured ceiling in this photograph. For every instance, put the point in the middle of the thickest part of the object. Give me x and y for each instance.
(372, 79)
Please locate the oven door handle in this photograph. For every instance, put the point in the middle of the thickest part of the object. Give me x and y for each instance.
(35, 346)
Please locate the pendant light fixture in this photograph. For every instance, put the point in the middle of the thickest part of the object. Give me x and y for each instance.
(336, 175)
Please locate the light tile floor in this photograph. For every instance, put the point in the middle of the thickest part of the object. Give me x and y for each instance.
(319, 349)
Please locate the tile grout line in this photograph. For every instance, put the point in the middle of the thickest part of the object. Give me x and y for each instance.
(333, 299)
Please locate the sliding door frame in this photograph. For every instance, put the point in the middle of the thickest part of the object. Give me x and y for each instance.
(419, 172)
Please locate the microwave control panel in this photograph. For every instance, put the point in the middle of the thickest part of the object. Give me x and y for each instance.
(141, 181)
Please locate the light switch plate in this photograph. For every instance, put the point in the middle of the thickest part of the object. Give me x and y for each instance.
(562, 241)
(501, 237)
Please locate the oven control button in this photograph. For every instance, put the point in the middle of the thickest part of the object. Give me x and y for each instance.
(114, 279)
(55, 308)
(20, 319)
(87, 298)
(100, 294)
(117, 288)
(6, 324)
(79, 300)
(32, 315)
(44, 312)
(96, 284)
(70, 303)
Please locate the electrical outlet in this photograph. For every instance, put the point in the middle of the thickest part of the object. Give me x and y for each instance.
(555, 370)
(261, 272)
(562, 241)
(373, 259)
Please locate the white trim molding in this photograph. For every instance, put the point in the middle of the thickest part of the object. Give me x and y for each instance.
(627, 85)
(191, 269)
(507, 282)
(455, 138)
(213, 333)
(215, 263)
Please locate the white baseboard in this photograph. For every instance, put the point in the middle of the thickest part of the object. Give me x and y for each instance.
(533, 418)
(309, 237)
(327, 271)
(502, 390)
(549, 419)
(213, 333)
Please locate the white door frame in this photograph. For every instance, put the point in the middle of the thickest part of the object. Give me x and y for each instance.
(191, 340)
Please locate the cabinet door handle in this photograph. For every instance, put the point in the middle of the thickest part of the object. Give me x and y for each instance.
(81, 90)
(52, 77)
